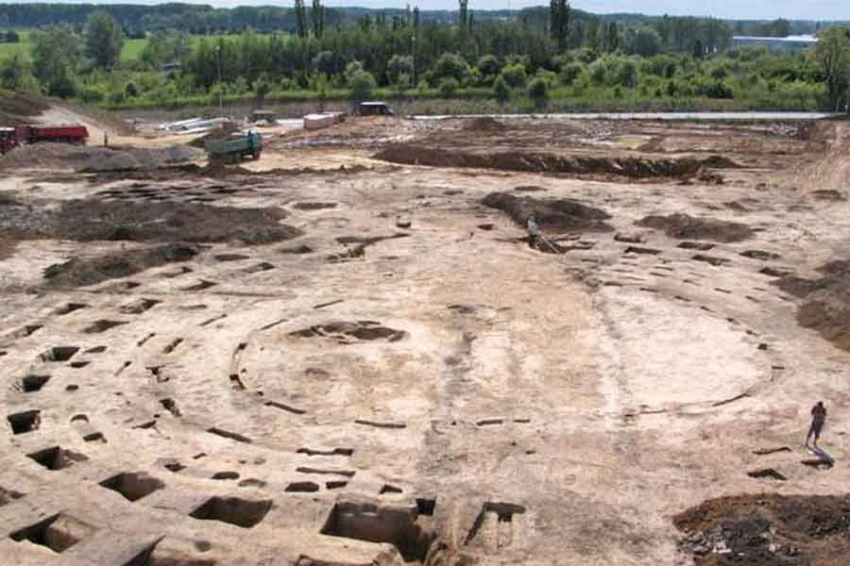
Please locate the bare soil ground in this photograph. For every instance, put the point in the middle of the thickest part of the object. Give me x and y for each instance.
(346, 353)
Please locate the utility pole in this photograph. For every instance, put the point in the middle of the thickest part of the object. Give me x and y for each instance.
(413, 42)
(220, 92)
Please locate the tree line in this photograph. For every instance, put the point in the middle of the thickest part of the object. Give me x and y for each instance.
(541, 52)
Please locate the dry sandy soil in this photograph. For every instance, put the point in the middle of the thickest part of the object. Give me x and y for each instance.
(345, 353)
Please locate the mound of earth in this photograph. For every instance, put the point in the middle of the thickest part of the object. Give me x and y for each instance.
(629, 167)
(719, 162)
(18, 108)
(562, 215)
(767, 530)
(827, 301)
(484, 124)
(686, 227)
(78, 272)
(90, 220)
(96, 159)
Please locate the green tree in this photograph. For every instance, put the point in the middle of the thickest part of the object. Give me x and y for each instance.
(55, 55)
(103, 39)
(501, 90)
(570, 73)
(627, 74)
(612, 37)
(559, 22)
(833, 56)
(352, 70)
(164, 47)
(399, 65)
(317, 15)
(362, 83)
(538, 92)
(448, 87)
(450, 65)
(262, 87)
(325, 62)
(16, 74)
(646, 43)
(463, 14)
(401, 83)
(300, 18)
(515, 75)
(489, 65)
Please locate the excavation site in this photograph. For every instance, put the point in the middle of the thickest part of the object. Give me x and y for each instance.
(349, 350)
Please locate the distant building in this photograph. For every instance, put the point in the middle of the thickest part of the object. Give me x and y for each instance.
(790, 44)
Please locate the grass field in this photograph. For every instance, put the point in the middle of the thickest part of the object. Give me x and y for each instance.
(23, 47)
(132, 49)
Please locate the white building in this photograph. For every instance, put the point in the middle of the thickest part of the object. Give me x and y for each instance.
(790, 44)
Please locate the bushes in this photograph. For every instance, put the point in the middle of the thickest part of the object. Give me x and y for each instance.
(538, 92)
(448, 87)
(362, 83)
(501, 90)
(450, 65)
(92, 95)
(570, 73)
(514, 75)
(489, 66)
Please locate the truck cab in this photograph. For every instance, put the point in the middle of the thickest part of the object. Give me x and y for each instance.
(8, 139)
(376, 108)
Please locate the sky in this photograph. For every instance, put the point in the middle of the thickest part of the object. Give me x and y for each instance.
(729, 9)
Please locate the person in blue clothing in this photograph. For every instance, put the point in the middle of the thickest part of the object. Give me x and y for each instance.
(533, 232)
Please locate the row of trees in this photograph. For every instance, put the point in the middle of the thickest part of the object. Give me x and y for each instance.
(544, 49)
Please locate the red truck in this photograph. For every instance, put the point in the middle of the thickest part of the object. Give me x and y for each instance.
(8, 139)
(68, 134)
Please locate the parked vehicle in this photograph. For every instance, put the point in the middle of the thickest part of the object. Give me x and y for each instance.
(375, 109)
(8, 139)
(64, 134)
(234, 148)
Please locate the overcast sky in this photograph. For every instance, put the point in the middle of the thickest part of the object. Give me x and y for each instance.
(734, 9)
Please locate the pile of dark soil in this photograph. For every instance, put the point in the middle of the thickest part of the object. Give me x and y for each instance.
(768, 530)
(685, 227)
(628, 167)
(484, 124)
(552, 215)
(82, 272)
(89, 220)
(719, 162)
(827, 301)
(8, 200)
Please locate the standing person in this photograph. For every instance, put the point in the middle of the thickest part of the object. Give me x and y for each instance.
(818, 420)
(533, 232)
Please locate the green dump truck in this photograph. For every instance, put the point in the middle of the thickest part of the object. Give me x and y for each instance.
(234, 148)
